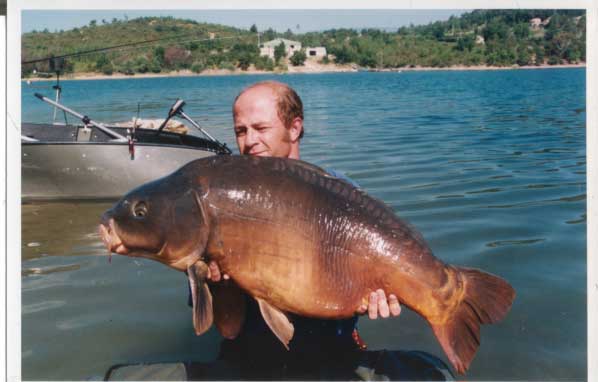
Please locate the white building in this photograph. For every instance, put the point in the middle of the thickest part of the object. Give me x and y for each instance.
(535, 23)
(318, 51)
(267, 48)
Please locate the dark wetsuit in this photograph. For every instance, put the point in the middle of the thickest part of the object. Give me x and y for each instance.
(318, 346)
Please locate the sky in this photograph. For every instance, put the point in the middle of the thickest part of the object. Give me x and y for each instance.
(299, 21)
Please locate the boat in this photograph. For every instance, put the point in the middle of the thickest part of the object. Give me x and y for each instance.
(95, 161)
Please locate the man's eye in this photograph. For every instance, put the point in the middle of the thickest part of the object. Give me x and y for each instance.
(239, 132)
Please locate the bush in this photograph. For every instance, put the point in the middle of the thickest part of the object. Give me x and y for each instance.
(107, 69)
(177, 58)
(264, 63)
(104, 65)
(198, 67)
(141, 65)
(226, 65)
(554, 60)
(244, 61)
(298, 58)
(127, 68)
(155, 66)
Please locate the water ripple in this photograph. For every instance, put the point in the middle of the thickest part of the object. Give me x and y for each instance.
(47, 270)
(502, 243)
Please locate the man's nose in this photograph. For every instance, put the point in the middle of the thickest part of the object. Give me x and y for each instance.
(251, 138)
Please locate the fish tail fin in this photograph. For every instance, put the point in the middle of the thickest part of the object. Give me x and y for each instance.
(486, 300)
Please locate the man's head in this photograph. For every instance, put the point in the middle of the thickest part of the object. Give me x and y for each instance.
(268, 120)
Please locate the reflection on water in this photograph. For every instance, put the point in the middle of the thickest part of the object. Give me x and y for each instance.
(493, 177)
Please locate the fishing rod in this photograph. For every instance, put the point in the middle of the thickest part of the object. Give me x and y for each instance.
(120, 46)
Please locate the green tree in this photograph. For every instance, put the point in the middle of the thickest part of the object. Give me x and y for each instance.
(280, 51)
(155, 66)
(141, 64)
(495, 30)
(465, 43)
(521, 30)
(244, 61)
(343, 55)
(298, 58)
(253, 29)
(288, 34)
(159, 54)
(523, 56)
(104, 65)
(198, 67)
(269, 34)
(539, 54)
(264, 63)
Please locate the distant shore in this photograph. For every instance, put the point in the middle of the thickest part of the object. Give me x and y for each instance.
(309, 67)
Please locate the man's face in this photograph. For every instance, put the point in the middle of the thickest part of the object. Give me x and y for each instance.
(258, 127)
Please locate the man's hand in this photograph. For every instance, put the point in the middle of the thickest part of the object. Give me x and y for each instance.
(378, 305)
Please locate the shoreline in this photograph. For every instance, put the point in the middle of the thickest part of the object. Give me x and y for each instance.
(308, 69)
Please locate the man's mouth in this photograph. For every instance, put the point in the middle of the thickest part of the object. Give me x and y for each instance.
(111, 240)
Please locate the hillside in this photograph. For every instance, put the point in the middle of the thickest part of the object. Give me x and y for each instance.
(491, 38)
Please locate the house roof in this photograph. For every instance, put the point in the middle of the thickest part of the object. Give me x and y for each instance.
(277, 42)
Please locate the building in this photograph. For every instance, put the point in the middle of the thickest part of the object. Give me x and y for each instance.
(267, 48)
(318, 51)
(535, 23)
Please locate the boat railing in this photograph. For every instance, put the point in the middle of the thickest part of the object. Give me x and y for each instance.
(177, 110)
(85, 119)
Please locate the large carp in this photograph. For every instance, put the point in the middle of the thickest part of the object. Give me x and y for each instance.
(301, 241)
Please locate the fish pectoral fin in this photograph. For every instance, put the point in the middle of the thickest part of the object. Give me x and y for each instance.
(229, 308)
(277, 321)
(203, 315)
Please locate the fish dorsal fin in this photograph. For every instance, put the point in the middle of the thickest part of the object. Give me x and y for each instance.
(203, 315)
(277, 321)
(229, 308)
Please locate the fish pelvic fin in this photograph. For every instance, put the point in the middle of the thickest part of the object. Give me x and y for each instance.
(278, 322)
(229, 308)
(486, 300)
(203, 315)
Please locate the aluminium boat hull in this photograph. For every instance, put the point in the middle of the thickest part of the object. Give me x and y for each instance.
(77, 162)
(95, 171)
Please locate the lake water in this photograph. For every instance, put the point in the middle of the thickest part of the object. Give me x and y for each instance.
(489, 165)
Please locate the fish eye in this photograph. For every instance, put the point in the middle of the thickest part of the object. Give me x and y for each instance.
(140, 209)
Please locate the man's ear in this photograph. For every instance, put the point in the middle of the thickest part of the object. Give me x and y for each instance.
(296, 129)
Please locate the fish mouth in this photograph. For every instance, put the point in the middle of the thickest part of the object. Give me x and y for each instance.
(111, 240)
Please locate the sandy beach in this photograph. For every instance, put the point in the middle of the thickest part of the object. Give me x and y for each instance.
(311, 66)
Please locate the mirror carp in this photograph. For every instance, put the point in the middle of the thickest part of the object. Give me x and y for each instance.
(298, 241)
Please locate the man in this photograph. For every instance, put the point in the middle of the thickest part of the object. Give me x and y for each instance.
(268, 121)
